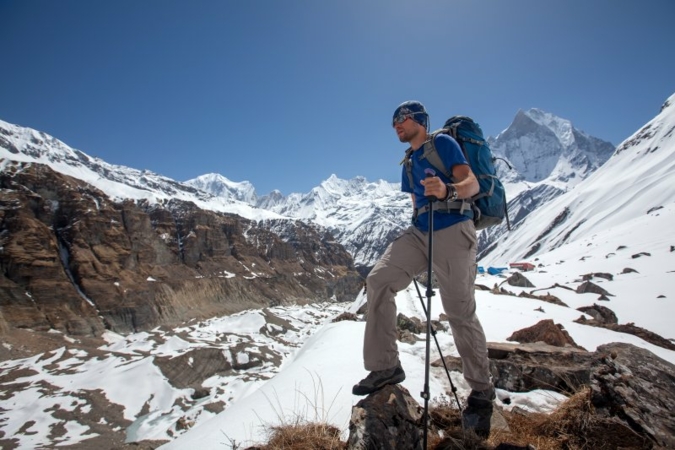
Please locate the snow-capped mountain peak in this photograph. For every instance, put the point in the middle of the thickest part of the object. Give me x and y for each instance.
(545, 148)
(638, 180)
(562, 128)
(221, 186)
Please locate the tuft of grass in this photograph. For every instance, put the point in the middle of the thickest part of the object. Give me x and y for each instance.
(305, 436)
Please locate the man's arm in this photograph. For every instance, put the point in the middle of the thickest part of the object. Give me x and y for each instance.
(466, 185)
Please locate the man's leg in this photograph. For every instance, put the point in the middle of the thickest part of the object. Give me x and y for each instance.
(455, 269)
(402, 260)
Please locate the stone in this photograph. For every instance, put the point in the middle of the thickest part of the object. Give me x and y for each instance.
(588, 286)
(526, 367)
(519, 280)
(389, 419)
(544, 331)
(599, 313)
(412, 324)
(637, 387)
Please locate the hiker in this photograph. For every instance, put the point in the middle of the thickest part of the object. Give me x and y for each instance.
(454, 264)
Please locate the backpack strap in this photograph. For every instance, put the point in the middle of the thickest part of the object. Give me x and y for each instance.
(430, 153)
(408, 166)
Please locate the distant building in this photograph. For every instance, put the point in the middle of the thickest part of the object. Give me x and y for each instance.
(524, 266)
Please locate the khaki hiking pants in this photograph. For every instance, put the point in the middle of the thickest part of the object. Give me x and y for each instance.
(454, 266)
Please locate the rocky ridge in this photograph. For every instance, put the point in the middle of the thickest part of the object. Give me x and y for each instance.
(77, 261)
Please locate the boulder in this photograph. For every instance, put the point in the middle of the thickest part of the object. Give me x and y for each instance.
(588, 286)
(389, 419)
(519, 280)
(637, 387)
(599, 313)
(544, 331)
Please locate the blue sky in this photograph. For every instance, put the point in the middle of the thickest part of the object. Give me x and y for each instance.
(285, 93)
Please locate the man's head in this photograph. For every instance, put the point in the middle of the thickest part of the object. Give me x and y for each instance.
(410, 120)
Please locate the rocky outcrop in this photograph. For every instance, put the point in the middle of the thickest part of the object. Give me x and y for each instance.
(544, 331)
(601, 314)
(638, 388)
(622, 398)
(388, 419)
(77, 261)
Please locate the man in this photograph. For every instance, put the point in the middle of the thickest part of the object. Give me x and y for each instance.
(454, 264)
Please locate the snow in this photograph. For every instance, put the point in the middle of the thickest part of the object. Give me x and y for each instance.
(321, 360)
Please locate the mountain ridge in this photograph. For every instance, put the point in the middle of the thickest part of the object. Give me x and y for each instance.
(363, 215)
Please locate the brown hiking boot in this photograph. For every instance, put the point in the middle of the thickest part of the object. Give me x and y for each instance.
(378, 379)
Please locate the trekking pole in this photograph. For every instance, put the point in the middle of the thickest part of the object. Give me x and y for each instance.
(438, 347)
(430, 292)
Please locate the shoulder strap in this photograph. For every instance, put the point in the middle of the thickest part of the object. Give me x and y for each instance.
(408, 166)
(430, 153)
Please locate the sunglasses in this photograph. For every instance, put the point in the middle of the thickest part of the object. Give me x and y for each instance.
(402, 118)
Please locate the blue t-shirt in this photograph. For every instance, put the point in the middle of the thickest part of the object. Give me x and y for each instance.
(451, 154)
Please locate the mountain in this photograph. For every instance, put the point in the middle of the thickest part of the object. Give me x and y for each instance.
(221, 187)
(544, 148)
(20, 144)
(545, 156)
(86, 246)
(548, 156)
(638, 180)
(363, 216)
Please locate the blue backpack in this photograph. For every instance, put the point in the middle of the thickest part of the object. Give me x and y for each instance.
(489, 205)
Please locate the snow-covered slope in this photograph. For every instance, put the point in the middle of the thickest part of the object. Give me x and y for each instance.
(636, 181)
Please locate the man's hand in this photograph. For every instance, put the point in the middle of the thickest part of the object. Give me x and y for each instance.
(434, 186)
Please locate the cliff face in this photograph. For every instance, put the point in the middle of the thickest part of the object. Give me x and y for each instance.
(73, 260)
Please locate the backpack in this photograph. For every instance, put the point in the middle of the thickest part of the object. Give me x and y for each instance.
(489, 205)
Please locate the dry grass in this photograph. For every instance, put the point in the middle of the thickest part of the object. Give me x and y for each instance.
(305, 436)
(573, 426)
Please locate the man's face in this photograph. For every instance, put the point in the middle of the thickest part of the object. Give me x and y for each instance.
(406, 130)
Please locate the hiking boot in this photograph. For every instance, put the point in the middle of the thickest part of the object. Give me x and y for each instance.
(477, 414)
(481, 399)
(378, 379)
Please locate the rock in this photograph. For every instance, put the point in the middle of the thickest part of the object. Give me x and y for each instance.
(590, 276)
(407, 337)
(414, 325)
(638, 255)
(588, 286)
(526, 367)
(519, 280)
(346, 316)
(548, 298)
(544, 331)
(388, 419)
(637, 387)
(600, 313)
(629, 270)
(623, 399)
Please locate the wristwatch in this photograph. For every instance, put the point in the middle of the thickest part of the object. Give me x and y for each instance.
(452, 193)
